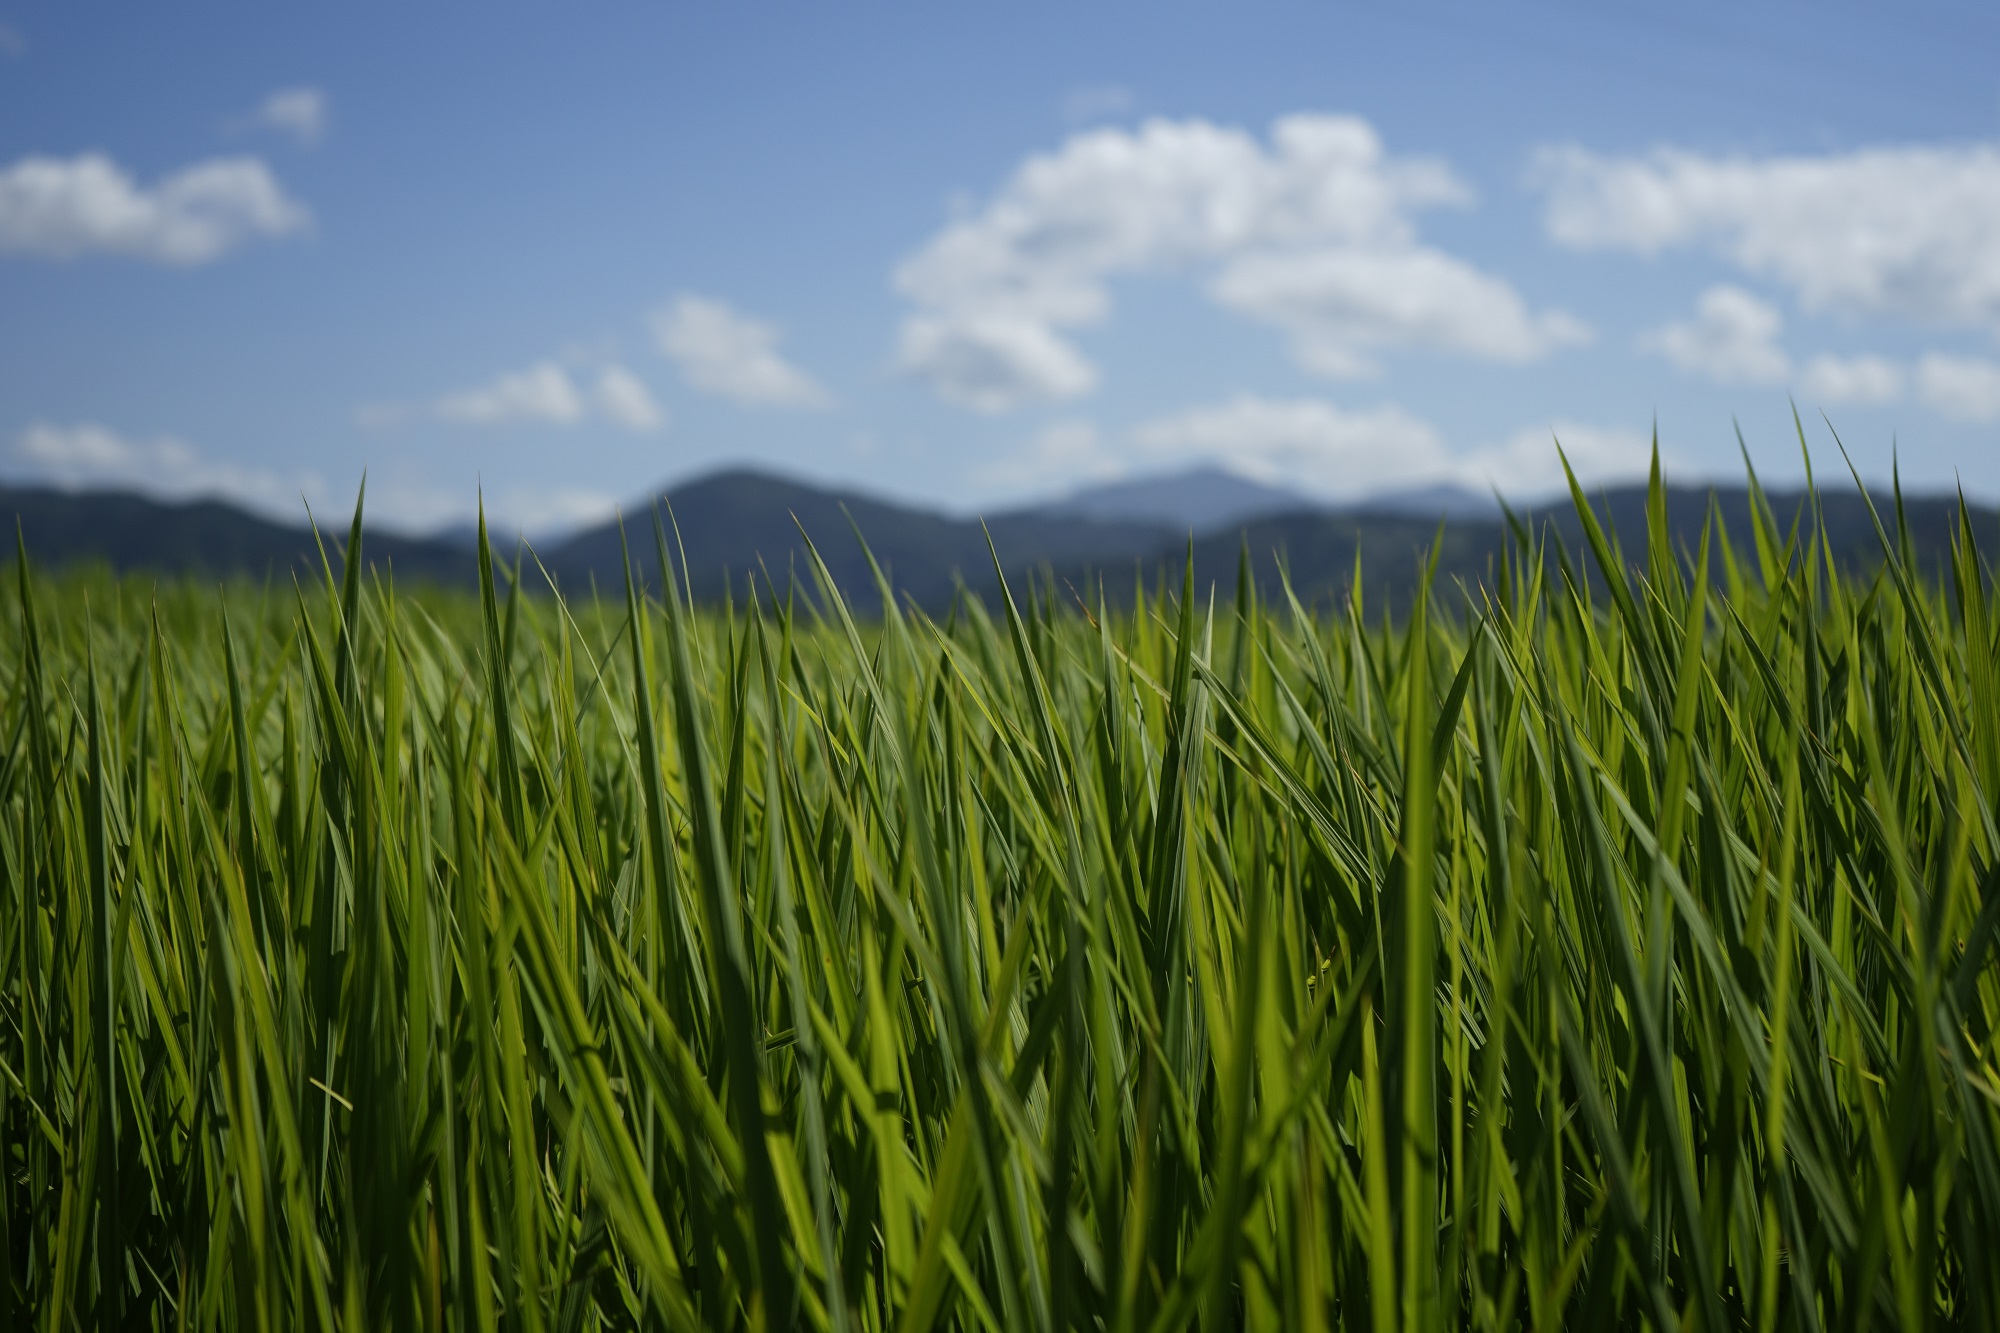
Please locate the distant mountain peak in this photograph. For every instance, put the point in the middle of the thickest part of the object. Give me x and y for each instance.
(1208, 498)
(1200, 499)
(738, 524)
(1443, 499)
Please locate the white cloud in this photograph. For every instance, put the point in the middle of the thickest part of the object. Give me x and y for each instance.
(299, 112)
(546, 393)
(1732, 339)
(12, 43)
(1323, 449)
(543, 394)
(548, 512)
(721, 351)
(90, 455)
(1310, 231)
(59, 208)
(1068, 452)
(1527, 465)
(994, 362)
(1302, 441)
(623, 399)
(1965, 388)
(402, 501)
(1911, 232)
(1866, 381)
(1335, 303)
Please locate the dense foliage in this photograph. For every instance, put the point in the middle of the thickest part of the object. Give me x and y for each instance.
(1583, 951)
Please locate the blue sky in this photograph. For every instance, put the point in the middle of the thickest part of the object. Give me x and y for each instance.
(970, 257)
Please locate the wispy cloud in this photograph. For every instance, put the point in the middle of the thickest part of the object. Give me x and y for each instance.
(624, 400)
(87, 454)
(556, 511)
(1337, 452)
(1861, 381)
(405, 501)
(547, 393)
(1065, 453)
(1328, 448)
(719, 350)
(1528, 463)
(543, 394)
(1964, 388)
(302, 113)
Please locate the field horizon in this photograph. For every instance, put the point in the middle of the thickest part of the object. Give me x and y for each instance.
(737, 525)
(1618, 951)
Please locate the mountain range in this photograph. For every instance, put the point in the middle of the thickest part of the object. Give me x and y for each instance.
(1204, 499)
(739, 523)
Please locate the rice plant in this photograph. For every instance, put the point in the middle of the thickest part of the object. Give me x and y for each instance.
(1608, 945)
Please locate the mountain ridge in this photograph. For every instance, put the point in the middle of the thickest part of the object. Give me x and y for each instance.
(132, 532)
(1207, 498)
(737, 524)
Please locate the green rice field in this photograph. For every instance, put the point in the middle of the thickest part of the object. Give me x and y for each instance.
(1609, 945)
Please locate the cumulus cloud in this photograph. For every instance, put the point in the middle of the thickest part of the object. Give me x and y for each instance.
(1301, 441)
(624, 400)
(543, 394)
(299, 112)
(60, 208)
(1528, 463)
(1732, 339)
(1862, 381)
(1341, 454)
(546, 512)
(721, 351)
(546, 393)
(87, 454)
(1965, 388)
(1909, 232)
(1337, 303)
(401, 499)
(991, 362)
(1067, 452)
(1310, 231)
